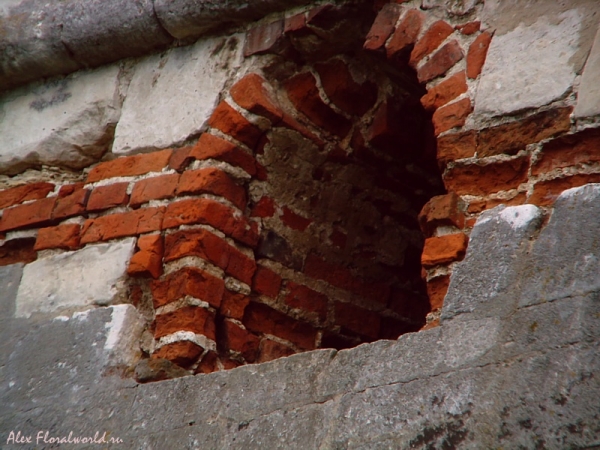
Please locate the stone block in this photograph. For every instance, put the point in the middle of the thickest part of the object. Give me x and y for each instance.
(10, 276)
(588, 96)
(181, 87)
(66, 123)
(91, 276)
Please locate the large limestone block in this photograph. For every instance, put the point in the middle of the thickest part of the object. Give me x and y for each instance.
(91, 276)
(172, 95)
(588, 97)
(65, 123)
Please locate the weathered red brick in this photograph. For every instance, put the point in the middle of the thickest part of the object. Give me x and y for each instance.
(71, 205)
(294, 23)
(382, 28)
(433, 37)
(188, 281)
(264, 38)
(20, 194)
(212, 181)
(456, 146)
(293, 220)
(305, 298)
(477, 206)
(36, 213)
(210, 212)
(63, 236)
(130, 166)
(452, 115)
(512, 137)
(440, 62)
(436, 290)
(261, 318)
(343, 91)
(442, 210)
(208, 364)
(568, 151)
(182, 353)
(270, 350)
(240, 340)
(232, 123)
(476, 179)
(250, 93)
(359, 320)
(477, 53)
(154, 188)
(469, 28)
(180, 158)
(210, 146)
(303, 92)
(122, 224)
(546, 192)
(189, 318)
(406, 34)
(69, 189)
(265, 207)
(104, 197)
(234, 305)
(18, 251)
(148, 259)
(444, 249)
(266, 282)
(206, 245)
(445, 92)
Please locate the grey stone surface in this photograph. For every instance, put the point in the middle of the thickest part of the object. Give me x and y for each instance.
(172, 95)
(75, 279)
(10, 277)
(588, 96)
(565, 259)
(531, 65)
(66, 123)
(484, 283)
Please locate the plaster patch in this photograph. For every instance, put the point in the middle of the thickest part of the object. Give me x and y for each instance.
(520, 216)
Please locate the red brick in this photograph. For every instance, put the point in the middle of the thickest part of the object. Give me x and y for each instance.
(154, 188)
(264, 38)
(234, 305)
(475, 179)
(440, 62)
(444, 249)
(229, 363)
(210, 146)
(148, 260)
(105, 197)
(512, 137)
(208, 364)
(303, 297)
(122, 224)
(69, 189)
(182, 353)
(180, 158)
(251, 94)
(546, 192)
(130, 166)
(261, 318)
(452, 115)
(18, 251)
(226, 119)
(63, 236)
(270, 350)
(406, 34)
(266, 282)
(240, 340)
(210, 212)
(36, 213)
(293, 220)
(188, 281)
(456, 146)
(433, 37)
(477, 53)
(343, 91)
(303, 92)
(20, 194)
(265, 207)
(442, 210)
(436, 290)
(567, 151)
(357, 319)
(212, 181)
(382, 28)
(71, 205)
(445, 92)
(476, 207)
(189, 318)
(294, 23)
(206, 245)
(469, 28)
